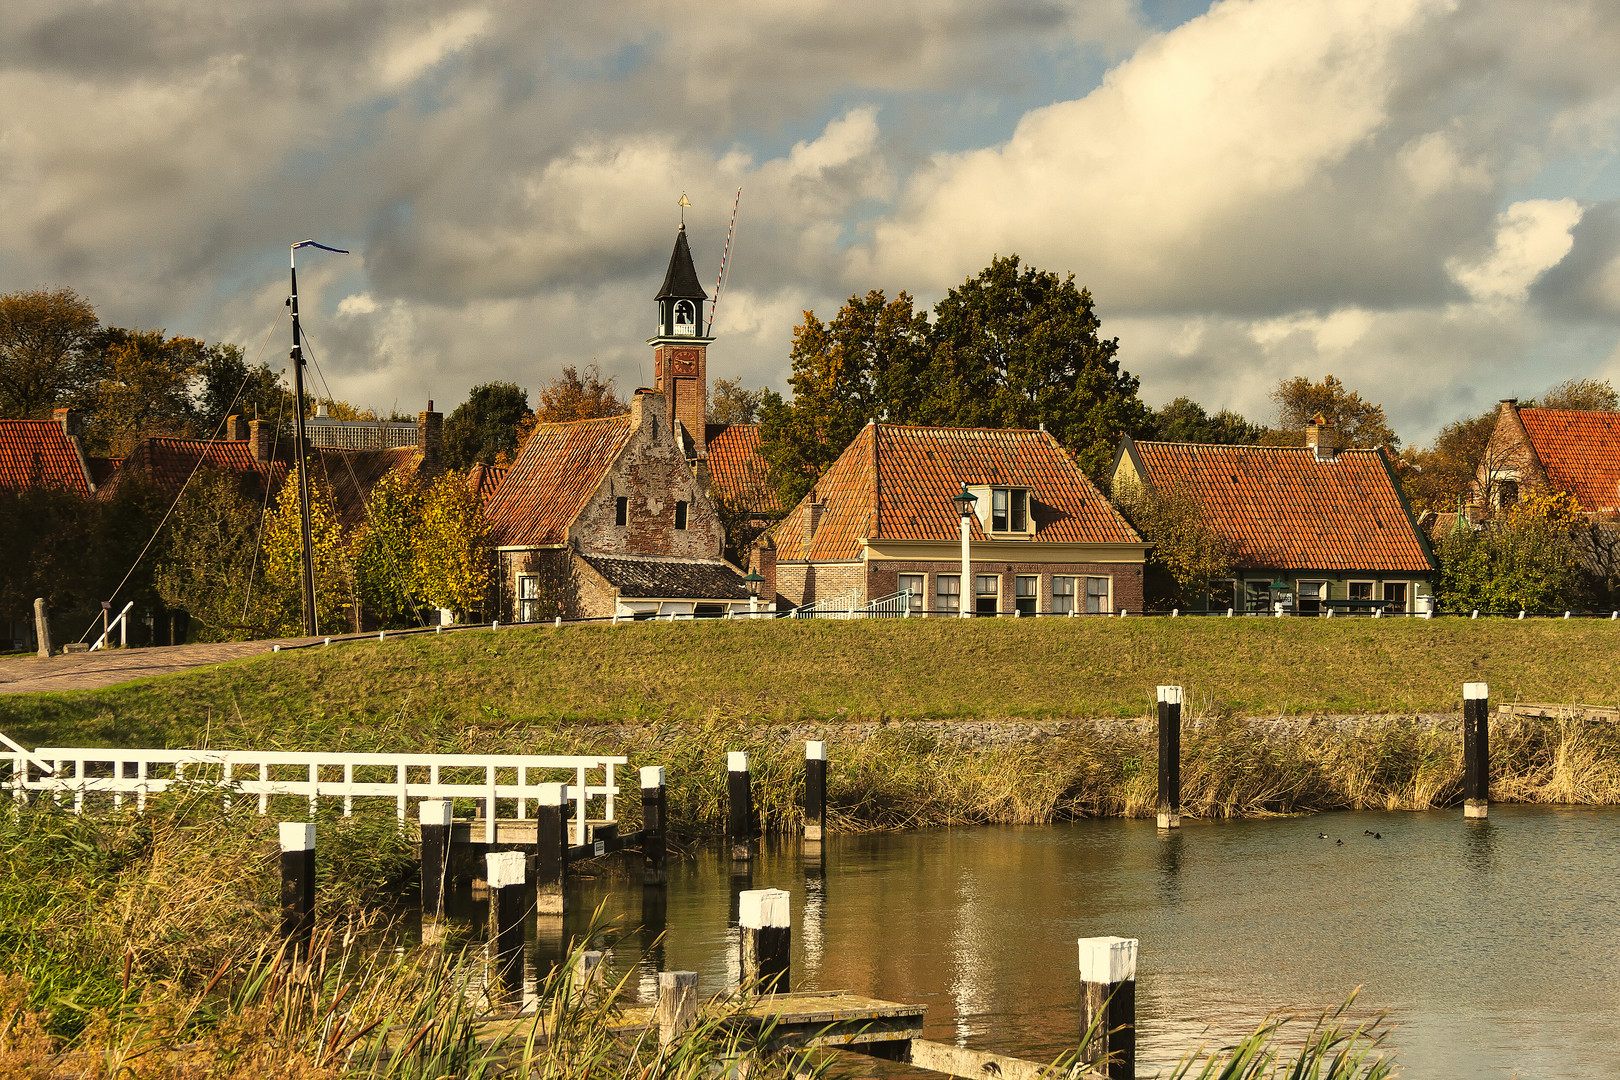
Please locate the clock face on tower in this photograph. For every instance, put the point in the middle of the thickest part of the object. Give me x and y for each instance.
(683, 361)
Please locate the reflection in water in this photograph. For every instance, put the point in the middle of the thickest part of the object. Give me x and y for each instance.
(654, 918)
(1236, 919)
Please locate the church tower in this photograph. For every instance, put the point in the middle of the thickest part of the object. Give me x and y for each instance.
(680, 349)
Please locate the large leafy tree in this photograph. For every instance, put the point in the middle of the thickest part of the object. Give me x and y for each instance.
(49, 354)
(1527, 557)
(210, 559)
(1439, 476)
(573, 395)
(451, 561)
(1581, 395)
(226, 383)
(282, 583)
(732, 403)
(1187, 553)
(484, 428)
(1359, 423)
(1184, 420)
(145, 388)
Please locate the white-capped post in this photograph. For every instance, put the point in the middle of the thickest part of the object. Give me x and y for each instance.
(1476, 749)
(436, 818)
(1169, 808)
(1108, 1005)
(297, 885)
(508, 873)
(654, 826)
(550, 849)
(815, 788)
(739, 806)
(766, 940)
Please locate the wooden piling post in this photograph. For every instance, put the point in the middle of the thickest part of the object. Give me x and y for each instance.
(436, 818)
(677, 1004)
(1169, 806)
(654, 825)
(550, 849)
(589, 975)
(42, 626)
(815, 789)
(739, 807)
(297, 885)
(507, 872)
(766, 940)
(1476, 749)
(1108, 1004)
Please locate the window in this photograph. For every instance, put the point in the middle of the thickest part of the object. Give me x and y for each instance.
(685, 319)
(709, 611)
(528, 588)
(680, 515)
(912, 583)
(1359, 590)
(986, 594)
(1097, 600)
(1259, 597)
(1062, 595)
(1027, 596)
(947, 594)
(1395, 595)
(621, 511)
(1009, 510)
(1311, 595)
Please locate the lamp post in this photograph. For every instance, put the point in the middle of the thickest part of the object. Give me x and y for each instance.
(753, 579)
(964, 502)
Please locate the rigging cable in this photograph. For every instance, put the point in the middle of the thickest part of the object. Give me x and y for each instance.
(725, 253)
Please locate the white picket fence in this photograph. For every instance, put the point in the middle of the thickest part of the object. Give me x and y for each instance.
(84, 772)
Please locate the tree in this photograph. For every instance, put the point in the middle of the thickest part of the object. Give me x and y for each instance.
(1187, 553)
(145, 388)
(1581, 395)
(484, 428)
(283, 590)
(729, 403)
(48, 352)
(209, 556)
(1360, 424)
(452, 561)
(229, 385)
(1526, 558)
(1184, 420)
(384, 552)
(572, 396)
(1020, 349)
(1437, 477)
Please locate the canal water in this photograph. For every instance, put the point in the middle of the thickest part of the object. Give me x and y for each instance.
(1494, 946)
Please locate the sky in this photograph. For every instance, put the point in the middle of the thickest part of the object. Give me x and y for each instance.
(1421, 197)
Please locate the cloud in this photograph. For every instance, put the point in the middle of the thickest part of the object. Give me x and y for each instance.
(1531, 237)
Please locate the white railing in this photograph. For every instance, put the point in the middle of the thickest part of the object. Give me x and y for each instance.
(81, 772)
(121, 624)
(894, 606)
(841, 606)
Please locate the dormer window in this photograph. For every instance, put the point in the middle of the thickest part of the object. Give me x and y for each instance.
(1009, 510)
(685, 318)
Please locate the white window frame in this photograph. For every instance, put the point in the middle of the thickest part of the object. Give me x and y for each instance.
(1406, 586)
(528, 606)
(1320, 585)
(1107, 607)
(688, 327)
(977, 593)
(1068, 597)
(939, 580)
(916, 601)
(1019, 579)
(1372, 588)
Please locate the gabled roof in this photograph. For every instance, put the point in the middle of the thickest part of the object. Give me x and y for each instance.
(555, 474)
(484, 480)
(736, 469)
(895, 482)
(1279, 507)
(1580, 452)
(38, 453)
(681, 280)
(352, 474)
(667, 579)
(168, 463)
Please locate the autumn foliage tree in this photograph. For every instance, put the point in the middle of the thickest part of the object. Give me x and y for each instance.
(209, 555)
(1186, 553)
(49, 355)
(282, 584)
(1359, 423)
(1526, 558)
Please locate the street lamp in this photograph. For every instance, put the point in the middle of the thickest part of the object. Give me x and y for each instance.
(752, 581)
(964, 502)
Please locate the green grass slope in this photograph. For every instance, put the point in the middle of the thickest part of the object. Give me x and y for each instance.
(828, 671)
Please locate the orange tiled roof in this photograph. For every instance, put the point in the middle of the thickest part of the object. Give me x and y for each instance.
(895, 482)
(736, 468)
(558, 469)
(1281, 508)
(352, 474)
(1580, 452)
(484, 480)
(38, 453)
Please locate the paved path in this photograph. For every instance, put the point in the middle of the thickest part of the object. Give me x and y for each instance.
(89, 671)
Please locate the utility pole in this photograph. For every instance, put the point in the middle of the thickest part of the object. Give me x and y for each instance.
(300, 444)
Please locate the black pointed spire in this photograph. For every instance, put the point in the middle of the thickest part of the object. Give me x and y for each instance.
(681, 280)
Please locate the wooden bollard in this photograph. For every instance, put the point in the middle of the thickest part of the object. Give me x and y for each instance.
(815, 788)
(1476, 749)
(766, 940)
(739, 806)
(297, 885)
(589, 975)
(436, 818)
(551, 849)
(1169, 807)
(677, 1004)
(42, 626)
(1108, 1004)
(507, 872)
(654, 825)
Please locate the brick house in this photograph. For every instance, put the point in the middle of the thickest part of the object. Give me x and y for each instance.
(881, 521)
(1536, 451)
(1308, 527)
(41, 454)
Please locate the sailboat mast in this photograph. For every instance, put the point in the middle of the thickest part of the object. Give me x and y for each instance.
(300, 457)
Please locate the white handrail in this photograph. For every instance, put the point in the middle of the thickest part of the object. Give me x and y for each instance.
(122, 616)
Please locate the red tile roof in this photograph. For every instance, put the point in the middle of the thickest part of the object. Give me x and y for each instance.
(895, 482)
(484, 480)
(1281, 508)
(556, 472)
(169, 463)
(1580, 452)
(38, 453)
(352, 474)
(736, 468)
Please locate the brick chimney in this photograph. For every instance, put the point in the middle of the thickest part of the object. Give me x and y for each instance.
(430, 438)
(262, 437)
(72, 422)
(1320, 439)
(812, 517)
(236, 428)
(764, 564)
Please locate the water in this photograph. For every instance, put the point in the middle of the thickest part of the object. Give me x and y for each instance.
(1494, 945)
